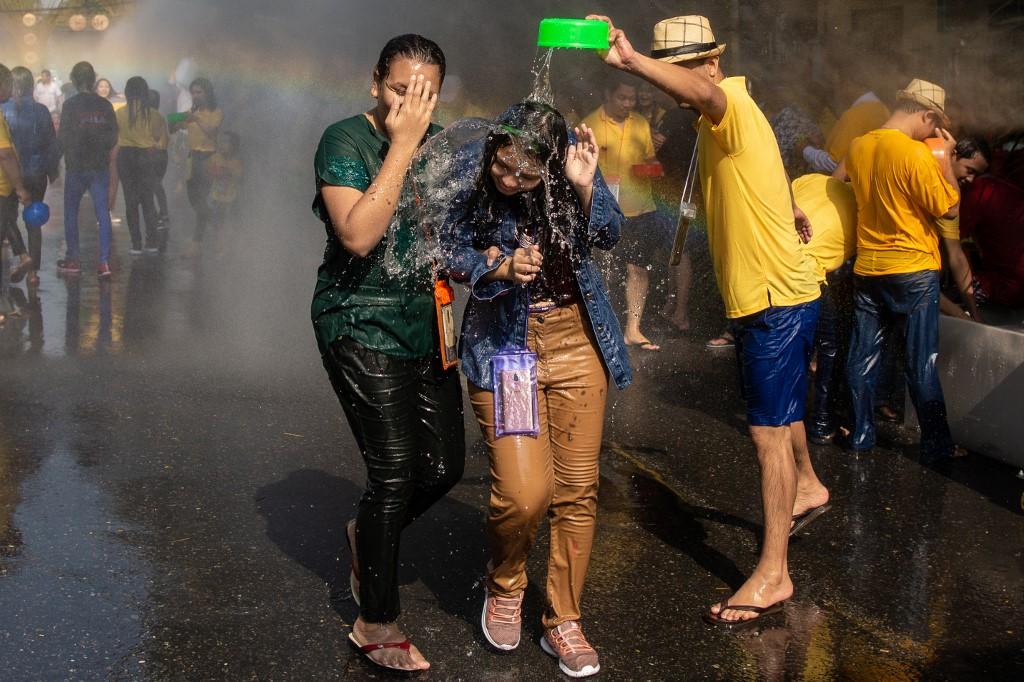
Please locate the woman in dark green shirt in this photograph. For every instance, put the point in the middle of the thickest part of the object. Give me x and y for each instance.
(376, 328)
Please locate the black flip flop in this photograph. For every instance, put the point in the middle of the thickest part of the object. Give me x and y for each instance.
(761, 611)
(801, 521)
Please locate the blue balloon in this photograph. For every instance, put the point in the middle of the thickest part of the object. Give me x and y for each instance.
(36, 214)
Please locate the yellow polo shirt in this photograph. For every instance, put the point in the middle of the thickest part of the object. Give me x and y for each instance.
(145, 134)
(832, 209)
(900, 192)
(198, 140)
(758, 257)
(855, 121)
(6, 186)
(621, 147)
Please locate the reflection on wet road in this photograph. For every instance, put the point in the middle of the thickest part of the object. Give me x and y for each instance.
(175, 476)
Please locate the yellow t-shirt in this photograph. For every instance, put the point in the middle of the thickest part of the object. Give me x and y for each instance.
(900, 192)
(621, 147)
(758, 258)
(145, 134)
(949, 228)
(6, 186)
(855, 121)
(198, 140)
(163, 139)
(832, 209)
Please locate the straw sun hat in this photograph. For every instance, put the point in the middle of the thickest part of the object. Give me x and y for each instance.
(927, 95)
(682, 39)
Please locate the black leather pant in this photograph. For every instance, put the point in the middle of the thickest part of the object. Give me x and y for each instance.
(406, 416)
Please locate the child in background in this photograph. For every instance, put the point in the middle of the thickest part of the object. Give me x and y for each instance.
(225, 171)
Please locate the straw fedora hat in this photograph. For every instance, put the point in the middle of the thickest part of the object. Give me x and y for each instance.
(928, 95)
(681, 39)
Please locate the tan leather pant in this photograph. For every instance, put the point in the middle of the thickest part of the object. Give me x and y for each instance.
(555, 474)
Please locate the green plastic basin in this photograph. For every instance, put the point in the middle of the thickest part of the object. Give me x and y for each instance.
(177, 117)
(589, 34)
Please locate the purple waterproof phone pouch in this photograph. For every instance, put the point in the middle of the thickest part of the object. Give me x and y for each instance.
(515, 393)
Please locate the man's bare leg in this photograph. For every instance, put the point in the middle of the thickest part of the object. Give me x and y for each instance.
(637, 281)
(810, 492)
(679, 316)
(770, 582)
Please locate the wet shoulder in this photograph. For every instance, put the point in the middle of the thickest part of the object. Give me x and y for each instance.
(345, 135)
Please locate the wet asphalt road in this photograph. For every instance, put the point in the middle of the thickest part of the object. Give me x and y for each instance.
(175, 475)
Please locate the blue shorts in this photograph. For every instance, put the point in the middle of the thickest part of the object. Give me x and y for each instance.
(774, 348)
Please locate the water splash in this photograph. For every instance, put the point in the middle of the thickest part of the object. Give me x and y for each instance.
(541, 71)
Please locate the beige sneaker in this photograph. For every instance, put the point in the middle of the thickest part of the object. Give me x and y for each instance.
(502, 620)
(575, 656)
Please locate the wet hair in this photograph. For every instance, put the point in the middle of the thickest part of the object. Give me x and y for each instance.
(24, 82)
(967, 147)
(6, 78)
(136, 91)
(544, 137)
(207, 87)
(96, 86)
(83, 76)
(410, 46)
(232, 139)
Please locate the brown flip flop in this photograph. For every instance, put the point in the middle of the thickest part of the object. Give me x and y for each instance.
(801, 521)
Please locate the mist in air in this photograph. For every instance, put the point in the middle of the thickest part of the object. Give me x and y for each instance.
(284, 71)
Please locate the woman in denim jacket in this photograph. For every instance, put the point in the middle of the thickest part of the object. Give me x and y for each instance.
(539, 201)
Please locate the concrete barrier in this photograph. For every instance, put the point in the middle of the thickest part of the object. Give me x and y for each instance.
(982, 373)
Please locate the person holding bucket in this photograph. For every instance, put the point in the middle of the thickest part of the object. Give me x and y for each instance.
(539, 343)
(768, 283)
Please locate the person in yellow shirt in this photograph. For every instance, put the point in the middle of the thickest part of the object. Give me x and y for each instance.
(625, 140)
(866, 113)
(10, 173)
(971, 158)
(158, 157)
(901, 189)
(767, 281)
(202, 125)
(226, 170)
(140, 130)
(832, 209)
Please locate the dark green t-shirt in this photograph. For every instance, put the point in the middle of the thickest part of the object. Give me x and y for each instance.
(358, 297)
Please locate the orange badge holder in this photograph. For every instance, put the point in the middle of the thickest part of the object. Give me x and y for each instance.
(444, 302)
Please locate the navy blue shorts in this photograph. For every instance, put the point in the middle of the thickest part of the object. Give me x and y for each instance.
(773, 348)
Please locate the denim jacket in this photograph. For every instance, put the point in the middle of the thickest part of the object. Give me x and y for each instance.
(496, 314)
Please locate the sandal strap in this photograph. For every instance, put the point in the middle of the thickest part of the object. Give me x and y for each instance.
(369, 648)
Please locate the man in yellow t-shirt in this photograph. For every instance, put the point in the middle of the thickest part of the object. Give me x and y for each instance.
(624, 137)
(10, 176)
(901, 190)
(767, 281)
(865, 114)
(832, 209)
